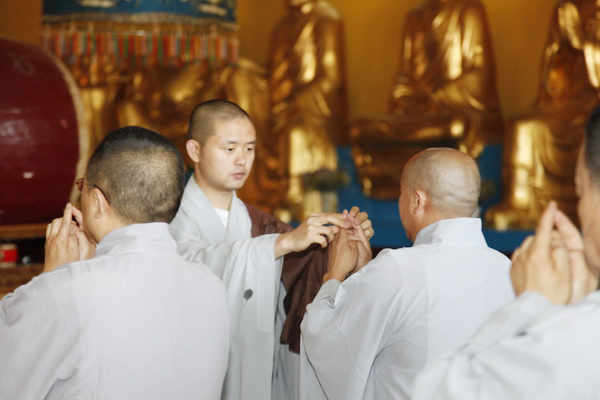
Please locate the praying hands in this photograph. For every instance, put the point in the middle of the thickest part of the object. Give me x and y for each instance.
(66, 242)
(350, 250)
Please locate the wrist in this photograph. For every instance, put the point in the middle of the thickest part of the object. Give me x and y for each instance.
(337, 275)
(282, 246)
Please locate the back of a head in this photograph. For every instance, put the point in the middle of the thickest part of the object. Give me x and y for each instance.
(205, 114)
(592, 147)
(450, 178)
(142, 173)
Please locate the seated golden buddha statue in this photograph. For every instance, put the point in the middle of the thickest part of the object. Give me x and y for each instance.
(308, 98)
(445, 94)
(163, 98)
(99, 81)
(541, 146)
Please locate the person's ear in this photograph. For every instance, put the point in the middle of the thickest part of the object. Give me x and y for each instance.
(193, 150)
(420, 200)
(100, 203)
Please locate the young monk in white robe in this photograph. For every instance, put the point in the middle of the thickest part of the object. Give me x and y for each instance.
(135, 321)
(245, 247)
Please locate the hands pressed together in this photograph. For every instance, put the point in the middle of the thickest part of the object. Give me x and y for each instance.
(66, 241)
(350, 250)
(552, 262)
(320, 228)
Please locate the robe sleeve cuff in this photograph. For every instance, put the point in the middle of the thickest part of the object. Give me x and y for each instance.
(328, 291)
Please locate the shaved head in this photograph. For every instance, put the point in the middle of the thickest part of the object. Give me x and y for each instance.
(204, 116)
(141, 172)
(450, 178)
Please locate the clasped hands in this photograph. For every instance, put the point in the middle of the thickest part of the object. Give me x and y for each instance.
(320, 228)
(552, 262)
(66, 241)
(350, 250)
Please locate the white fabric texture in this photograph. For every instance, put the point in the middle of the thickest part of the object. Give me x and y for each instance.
(368, 337)
(223, 216)
(251, 275)
(135, 322)
(530, 349)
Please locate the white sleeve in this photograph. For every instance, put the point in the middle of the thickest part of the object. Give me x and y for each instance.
(251, 276)
(528, 349)
(38, 339)
(342, 332)
(247, 268)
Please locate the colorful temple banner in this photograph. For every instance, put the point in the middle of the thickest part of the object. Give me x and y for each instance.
(141, 10)
(140, 33)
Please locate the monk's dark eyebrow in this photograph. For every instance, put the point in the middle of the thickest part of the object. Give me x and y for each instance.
(235, 142)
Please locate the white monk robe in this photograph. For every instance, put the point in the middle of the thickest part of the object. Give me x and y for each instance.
(136, 322)
(251, 275)
(368, 337)
(530, 349)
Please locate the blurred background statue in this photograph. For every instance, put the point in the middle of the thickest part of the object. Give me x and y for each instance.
(307, 86)
(107, 44)
(150, 62)
(445, 95)
(163, 99)
(541, 146)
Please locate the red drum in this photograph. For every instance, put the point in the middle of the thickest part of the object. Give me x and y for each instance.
(39, 140)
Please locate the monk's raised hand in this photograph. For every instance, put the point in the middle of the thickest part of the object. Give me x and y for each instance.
(365, 222)
(542, 264)
(583, 279)
(317, 228)
(87, 245)
(365, 254)
(61, 242)
(342, 257)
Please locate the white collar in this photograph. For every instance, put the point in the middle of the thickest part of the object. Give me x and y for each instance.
(453, 231)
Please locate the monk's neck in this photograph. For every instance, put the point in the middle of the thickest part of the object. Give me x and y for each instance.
(218, 198)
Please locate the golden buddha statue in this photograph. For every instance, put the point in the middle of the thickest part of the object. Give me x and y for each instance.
(116, 48)
(308, 98)
(541, 145)
(99, 81)
(163, 98)
(445, 94)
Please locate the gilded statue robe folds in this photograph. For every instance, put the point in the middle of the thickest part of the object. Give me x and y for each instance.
(162, 99)
(308, 94)
(541, 146)
(445, 94)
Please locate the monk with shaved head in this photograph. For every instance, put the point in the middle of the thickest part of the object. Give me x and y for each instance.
(437, 184)
(375, 324)
(118, 313)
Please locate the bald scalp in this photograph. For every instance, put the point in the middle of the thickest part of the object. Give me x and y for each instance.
(204, 116)
(450, 178)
